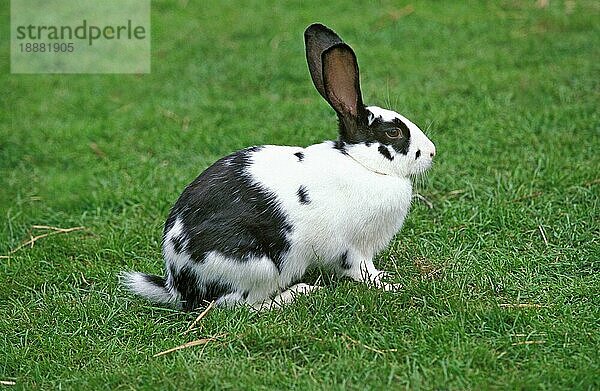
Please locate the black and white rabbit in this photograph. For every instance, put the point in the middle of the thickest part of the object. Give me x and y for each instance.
(251, 225)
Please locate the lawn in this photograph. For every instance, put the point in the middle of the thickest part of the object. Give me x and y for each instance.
(501, 276)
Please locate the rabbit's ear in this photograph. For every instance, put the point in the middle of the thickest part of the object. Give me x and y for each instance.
(342, 85)
(317, 39)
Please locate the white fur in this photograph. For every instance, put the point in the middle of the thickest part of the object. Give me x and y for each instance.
(137, 283)
(175, 259)
(258, 276)
(352, 208)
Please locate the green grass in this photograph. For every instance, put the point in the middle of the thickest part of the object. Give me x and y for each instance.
(510, 94)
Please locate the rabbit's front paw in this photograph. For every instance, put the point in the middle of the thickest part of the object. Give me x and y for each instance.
(380, 281)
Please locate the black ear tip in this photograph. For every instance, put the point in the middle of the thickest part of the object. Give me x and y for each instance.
(315, 27)
(318, 28)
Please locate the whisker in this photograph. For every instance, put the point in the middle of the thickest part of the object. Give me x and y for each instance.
(420, 180)
(428, 128)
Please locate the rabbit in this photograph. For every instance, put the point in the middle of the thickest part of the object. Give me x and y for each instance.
(247, 228)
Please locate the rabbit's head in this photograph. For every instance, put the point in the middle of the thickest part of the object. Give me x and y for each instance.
(379, 139)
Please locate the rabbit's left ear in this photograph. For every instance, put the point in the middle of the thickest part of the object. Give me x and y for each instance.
(341, 83)
(317, 39)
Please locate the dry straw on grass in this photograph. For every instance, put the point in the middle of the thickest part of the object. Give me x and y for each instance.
(33, 239)
(367, 346)
(202, 315)
(197, 342)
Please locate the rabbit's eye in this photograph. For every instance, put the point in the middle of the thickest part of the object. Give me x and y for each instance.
(394, 133)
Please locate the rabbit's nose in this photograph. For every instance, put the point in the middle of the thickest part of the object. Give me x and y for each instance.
(432, 153)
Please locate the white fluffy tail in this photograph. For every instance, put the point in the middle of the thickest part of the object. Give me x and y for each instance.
(149, 286)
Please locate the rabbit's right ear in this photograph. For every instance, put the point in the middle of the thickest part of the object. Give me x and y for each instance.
(334, 71)
(341, 81)
(342, 90)
(317, 39)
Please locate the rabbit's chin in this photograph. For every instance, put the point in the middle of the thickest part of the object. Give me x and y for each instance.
(421, 169)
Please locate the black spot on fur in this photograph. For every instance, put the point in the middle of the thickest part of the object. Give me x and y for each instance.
(354, 131)
(178, 244)
(215, 289)
(344, 261)
(303, 195)
(192, 293)
(378, 131)
(156, 280)
(401, 145)
(417, 154)
(375, 132)
(245, 295)
(224, 210)
(186, 283)
(385, 152)
(168, 225)
(300, 156)
(340, 146)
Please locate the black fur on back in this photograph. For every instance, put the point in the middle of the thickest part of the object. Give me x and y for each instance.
(223, 210)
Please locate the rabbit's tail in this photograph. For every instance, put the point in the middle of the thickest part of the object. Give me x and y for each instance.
(153, 288)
